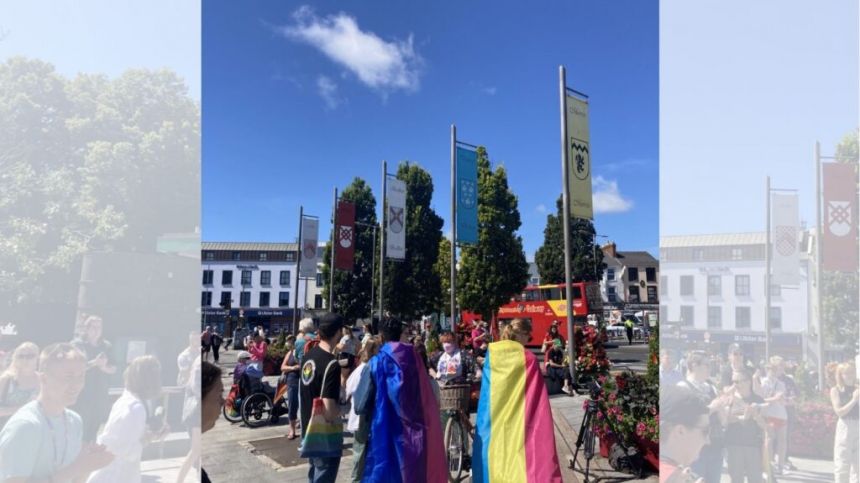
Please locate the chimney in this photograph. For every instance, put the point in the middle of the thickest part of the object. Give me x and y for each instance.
(609, 249)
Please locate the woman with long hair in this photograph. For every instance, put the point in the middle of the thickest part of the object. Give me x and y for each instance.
(359, 426)
(290, 369)
(19, 384)
(844, 397)
(514, 415)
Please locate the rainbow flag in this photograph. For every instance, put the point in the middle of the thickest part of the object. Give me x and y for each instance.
(514, 438)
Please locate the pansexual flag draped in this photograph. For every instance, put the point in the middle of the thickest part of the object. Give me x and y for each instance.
(514, 439)
(406, 432)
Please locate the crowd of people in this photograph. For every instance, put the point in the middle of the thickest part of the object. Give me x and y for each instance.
(734, 414)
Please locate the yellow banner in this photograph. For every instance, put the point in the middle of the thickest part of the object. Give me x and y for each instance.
(579, 158)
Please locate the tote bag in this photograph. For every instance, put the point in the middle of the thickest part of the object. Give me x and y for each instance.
(323, 439)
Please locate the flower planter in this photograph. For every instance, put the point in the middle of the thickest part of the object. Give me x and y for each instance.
(650, 451)
(606, 443)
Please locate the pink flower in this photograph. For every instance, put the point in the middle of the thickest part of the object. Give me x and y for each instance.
(584, 405)
(640, 428)
(599, 414)
(613, 397)
(601, 379)
(620, 418)
(654, 411)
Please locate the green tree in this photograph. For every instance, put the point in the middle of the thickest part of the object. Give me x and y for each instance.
(90, 163)
(443, 271)
(550, 256)
(412, 286)
(353, 289)
(494, 269)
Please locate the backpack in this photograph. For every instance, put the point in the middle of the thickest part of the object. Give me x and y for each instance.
(626, 459)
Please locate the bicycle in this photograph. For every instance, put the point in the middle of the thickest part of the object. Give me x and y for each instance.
(459, 432)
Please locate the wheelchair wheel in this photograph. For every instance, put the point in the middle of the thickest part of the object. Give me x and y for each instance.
(257, 410)
(233, 416)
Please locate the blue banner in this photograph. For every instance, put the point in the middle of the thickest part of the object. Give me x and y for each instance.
(467, 196)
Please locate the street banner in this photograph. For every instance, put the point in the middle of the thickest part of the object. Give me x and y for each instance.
(839, 245)
(785, 256)
(579, 158)
(395, 235)
(467, 196)
(344, 236)
(310, 229)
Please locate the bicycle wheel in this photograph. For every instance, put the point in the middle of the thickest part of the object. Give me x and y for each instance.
(455, 448)
(256, 410)
(232, 414)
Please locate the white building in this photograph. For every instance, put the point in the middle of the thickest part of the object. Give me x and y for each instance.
(630, 281)
(713, 286)
(256, 280)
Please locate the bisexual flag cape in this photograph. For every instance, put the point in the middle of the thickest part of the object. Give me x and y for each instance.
(514, 438)
(406, 432)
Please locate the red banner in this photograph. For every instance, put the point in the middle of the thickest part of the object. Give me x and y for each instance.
(839, 247)
(344, 236)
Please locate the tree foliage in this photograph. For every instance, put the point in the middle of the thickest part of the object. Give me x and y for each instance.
(353, 289)
(443, 271)
(550, 256)
(90, 163)
(495, 269)
(412, 286)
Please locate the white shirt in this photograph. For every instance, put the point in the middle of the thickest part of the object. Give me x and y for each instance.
(123, 436)
(33, 445)
(769, 388)
(351, 386)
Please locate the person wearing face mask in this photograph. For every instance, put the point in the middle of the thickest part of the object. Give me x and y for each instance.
(452, 366)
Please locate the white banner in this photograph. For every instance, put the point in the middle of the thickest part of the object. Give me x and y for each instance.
(395, 235)
(310, 229)
(579, 158)
(785, 258)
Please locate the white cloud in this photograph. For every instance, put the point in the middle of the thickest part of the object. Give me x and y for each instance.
(607, 198)
(541, 208)
(328, 91)
(490, 91)
(381, 65)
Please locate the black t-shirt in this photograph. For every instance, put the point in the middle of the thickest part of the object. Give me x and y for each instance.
(556, 355)
(314, 365)
(744, 432)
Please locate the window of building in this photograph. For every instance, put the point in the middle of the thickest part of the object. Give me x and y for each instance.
(742, 285)
(611, 296)
(742, 317)
(227, 277)
(687, 285)
(664, 312)
(698, 254)
(209, 256)
(264, 299)
(208, 276)
(737, 254)
(664, 285)
(651, 274)
(206, 299)
(266, 277)
(534, 281)
(775, 290)
(687, 312)
(264, 256)
(715, 317)
(652, 294)
(285, 278)
(610, 274)
(776, 318)
(632, 274)
(245, 299)
(225, 298)
(320, 281)
(283, 299)
(291, 256)
(715, 285)
(237, 256)
(246, 277)
(634, 295)
(318, 301)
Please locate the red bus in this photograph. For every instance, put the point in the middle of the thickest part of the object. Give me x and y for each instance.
(542, 304)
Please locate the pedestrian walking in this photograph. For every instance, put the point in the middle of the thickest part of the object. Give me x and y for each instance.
(290, 372)
(844, 397)
(216, 342)
(94, 404)
(628, 325)
(773, 393)
(206, 342)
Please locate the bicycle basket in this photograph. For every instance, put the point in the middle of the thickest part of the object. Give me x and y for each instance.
(455, 397)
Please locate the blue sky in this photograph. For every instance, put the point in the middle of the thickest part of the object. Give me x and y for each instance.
(297, 101)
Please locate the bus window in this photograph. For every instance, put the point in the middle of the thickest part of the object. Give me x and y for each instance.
(531, 295)
(546, 294)
(555, 293)
(561, 295)
(577, 293)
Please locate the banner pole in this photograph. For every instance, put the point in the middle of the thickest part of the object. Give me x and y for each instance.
(767, 274)
(819, 228)
(565, 172)
(298, 269)
(333, 245)
(382, 241)
(454, 227)
(372, 270)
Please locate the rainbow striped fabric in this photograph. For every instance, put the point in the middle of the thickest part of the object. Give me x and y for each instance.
(514, 439)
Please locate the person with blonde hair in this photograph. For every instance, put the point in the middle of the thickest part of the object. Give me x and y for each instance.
(844, 397)
(19, 384)
(126, 432)
(359, 426)
(290, 369)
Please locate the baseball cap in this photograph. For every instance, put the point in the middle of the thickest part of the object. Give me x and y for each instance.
(331, 323)
(244, 355)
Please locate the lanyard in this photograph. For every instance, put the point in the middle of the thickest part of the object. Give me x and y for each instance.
(54, 460)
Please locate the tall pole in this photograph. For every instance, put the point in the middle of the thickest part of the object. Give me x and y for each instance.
(571, 350)
(333, 245)
(454, 227)
(298, 269)
(819, 236)
(767, 276)
(372, 270)
(382, 240)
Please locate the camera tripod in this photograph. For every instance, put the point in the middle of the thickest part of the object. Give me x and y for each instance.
(586, 431)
